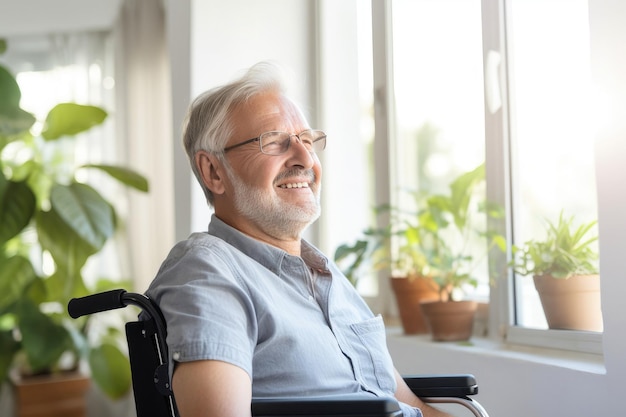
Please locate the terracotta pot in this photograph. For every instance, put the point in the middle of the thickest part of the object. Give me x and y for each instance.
(450, 321)
(410, 292)
(61, 395)
(572, 303)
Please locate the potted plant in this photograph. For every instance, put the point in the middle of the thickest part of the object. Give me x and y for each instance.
(50, 225)
(564, 266)
(431, 246)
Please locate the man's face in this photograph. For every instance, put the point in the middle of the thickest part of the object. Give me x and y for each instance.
(276, 194)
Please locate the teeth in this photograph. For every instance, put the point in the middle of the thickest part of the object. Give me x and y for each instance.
(296, 185)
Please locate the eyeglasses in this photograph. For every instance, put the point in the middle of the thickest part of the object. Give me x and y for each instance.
(277, 143)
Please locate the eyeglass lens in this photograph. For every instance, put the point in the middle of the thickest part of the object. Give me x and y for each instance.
(276, 143)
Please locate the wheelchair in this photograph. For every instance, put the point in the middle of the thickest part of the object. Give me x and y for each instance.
(148, 354)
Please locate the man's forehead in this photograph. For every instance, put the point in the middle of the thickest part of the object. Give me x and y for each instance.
(270, 108)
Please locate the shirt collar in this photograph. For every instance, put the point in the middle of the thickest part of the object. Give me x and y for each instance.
(267, 255)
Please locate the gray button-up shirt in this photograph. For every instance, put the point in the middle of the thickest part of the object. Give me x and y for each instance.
(294, 324)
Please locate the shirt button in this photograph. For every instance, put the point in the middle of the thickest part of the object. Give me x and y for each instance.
(176, 356)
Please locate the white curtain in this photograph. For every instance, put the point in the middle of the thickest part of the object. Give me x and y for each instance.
(144, 132)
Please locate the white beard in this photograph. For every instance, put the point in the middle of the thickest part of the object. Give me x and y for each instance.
(270, 213)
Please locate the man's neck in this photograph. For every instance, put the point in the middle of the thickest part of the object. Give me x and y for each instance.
(290, 244)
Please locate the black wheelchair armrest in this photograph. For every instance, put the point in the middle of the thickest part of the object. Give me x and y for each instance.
(330, 406)
(457, 385)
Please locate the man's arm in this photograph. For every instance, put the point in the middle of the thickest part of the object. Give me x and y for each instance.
(405, 395)
(211, 388)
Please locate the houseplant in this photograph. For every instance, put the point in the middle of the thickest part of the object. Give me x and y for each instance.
(430, 244)
(564, 266)
(51, 224)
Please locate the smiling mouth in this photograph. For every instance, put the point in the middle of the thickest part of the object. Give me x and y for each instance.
(295, 185)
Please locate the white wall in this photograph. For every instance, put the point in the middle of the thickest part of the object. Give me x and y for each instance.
(228, 37)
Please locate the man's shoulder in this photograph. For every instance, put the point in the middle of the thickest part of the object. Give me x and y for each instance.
(202, 239)
(201, 243)
(202, 256)
(194, 241)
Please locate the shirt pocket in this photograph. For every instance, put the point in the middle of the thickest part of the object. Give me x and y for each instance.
(374, 361)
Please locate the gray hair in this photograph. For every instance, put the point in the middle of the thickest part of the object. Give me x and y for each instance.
(208, 125)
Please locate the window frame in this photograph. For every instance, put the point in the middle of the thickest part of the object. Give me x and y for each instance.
(500, 189)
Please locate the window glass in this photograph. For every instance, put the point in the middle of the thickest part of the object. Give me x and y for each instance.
(438, 81)
(552, 146)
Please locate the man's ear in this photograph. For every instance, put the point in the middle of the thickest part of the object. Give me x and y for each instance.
(211, 171)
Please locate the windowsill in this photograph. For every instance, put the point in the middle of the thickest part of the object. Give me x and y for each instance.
(583, 362)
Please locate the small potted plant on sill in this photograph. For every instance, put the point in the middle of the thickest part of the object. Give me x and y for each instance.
(430, 248)
(50, 225)
(564, 266)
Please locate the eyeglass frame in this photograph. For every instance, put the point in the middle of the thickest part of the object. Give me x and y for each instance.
(258, 138)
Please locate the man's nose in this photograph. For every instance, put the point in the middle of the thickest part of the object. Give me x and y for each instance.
(301, 152)
(296, 138)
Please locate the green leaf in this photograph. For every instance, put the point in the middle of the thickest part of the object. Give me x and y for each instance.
(10, 93)
(461, 193)
(124, 175)
(66, 283)
(356, 253)
(561, 254)
(77, 226)
(3, 46)
(68, 119)
(43, 340)
(17, 206)
(83, 209)
(8, 347)
(13, 120)
(37, 291)
(344, 251)
(68, 250)
(110, 370)
(500, 242)
(16, 273)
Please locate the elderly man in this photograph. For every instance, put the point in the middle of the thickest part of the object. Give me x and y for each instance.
(252, 309)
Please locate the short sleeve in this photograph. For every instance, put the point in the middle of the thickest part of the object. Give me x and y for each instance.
(207, 307)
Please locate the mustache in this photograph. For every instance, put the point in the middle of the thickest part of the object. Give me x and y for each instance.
(296, 172)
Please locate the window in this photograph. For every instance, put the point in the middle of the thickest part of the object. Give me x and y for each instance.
(551, 138)
(549, 101)
(458, 91)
